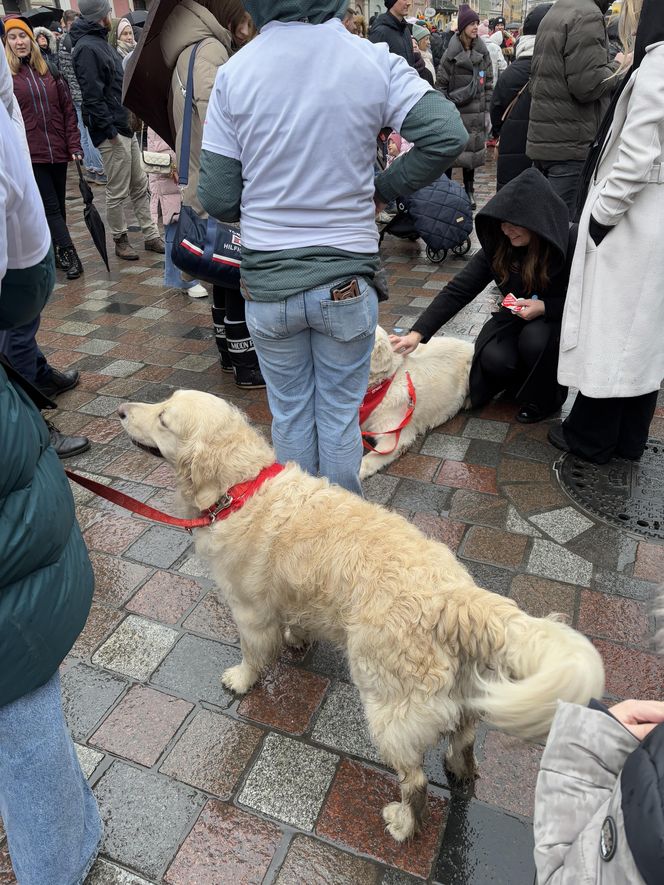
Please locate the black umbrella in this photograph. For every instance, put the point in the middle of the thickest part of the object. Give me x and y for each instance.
(92, 217)
(41, 16)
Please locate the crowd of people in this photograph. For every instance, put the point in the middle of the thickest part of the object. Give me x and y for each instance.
(572, 234)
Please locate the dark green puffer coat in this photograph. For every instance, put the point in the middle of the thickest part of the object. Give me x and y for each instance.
(46, 579)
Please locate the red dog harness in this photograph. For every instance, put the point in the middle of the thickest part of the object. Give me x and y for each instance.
(375, 396)
(234, 499)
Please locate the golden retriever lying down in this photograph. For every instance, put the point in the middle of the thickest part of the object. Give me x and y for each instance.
(429, 651)
(440, 371)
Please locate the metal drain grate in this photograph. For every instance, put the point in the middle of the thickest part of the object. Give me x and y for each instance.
(628, 494)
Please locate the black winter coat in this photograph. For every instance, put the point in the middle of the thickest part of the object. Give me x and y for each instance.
(98, 69)
(387, 28)
(512, 159)
(527, 201)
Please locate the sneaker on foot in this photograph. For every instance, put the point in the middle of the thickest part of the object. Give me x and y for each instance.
(101, 179)
(196, 291)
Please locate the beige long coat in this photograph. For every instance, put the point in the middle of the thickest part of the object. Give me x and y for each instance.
(189, 24)
(612, 342)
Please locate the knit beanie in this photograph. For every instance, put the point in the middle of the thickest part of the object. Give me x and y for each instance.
(467, 16)
(122, 24)
(94, 10)
(534, 18)
(420, 32)
(390, 3)
(20, 24)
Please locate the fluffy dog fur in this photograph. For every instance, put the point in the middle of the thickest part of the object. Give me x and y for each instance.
(429, 651)
(440, 371)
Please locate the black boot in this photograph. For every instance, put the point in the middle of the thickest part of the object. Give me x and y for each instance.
(471, 196)
(218, 318)
(57, 382)
(62, 259)
(67, 446)
(75, 268)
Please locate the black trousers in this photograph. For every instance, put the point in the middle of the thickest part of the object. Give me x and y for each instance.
(468, 178)
(235, 344)
(521, 358)
(600, 429)
(51, 180)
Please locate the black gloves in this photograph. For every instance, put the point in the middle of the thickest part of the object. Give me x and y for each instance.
(597, 231)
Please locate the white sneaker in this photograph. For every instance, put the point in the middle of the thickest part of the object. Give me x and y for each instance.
(197, 291)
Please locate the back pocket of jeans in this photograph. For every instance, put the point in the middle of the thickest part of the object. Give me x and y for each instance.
(351, 319)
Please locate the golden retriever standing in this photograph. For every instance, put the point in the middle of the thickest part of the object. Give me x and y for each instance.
(429, 651)
(440, 371)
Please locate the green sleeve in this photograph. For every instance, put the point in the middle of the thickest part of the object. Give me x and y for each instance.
(220, 186)
(434, 126)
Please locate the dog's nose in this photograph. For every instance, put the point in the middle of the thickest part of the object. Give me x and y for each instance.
(122, 411)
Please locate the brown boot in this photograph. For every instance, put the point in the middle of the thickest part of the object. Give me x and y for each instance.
(123, 249)
(156, 244)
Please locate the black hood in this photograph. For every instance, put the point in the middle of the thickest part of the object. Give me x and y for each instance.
(82, 28)
(386, 19)
(650, 29)
(527, 201)
(534, 18)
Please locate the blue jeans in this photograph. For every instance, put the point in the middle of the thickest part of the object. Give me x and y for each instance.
(172, 276)
(314, 354)
(91, 156)
(49, 812)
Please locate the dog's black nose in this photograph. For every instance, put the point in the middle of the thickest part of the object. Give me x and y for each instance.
(122, 411)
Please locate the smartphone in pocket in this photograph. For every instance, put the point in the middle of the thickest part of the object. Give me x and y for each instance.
(344, 291)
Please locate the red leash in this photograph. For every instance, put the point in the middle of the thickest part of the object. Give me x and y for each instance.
(375, 396)
(234, 499)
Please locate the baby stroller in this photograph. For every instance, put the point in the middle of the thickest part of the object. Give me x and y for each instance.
(440, 214)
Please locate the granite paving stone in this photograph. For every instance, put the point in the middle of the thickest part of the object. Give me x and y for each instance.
(352, 818)
(414, 466)
(562, 525)
(88, 758)
(136, 648)
(480, 509)
(165, 597)
(481, 846)
(87, 695)
(479, 428)
(121, 368)
(539, 597)
(74, 328)
(212, 753)
(144, 816)
(440, 529)
(549, 560)
(196, 567)
(649, 562)
(325, 658)
(484, 452)
(342, 725)
(615, 618)
(520, 526)
(421, 497)
(103, 406)
(606, 547)
(631, 673)
(105, 873)
(520, 470)
(622, 585)
(289, 781)
(310, 861)
(285, 698)
(508, 773)
(132, 465)
(490, 577)
(533, 497)
(141, 725)
(196, 363)
(458, 475)
(379, 488)
(160, 546)
(494, 546)
(114, 534)
(213, 619)
(226, 845)
(102, 621)
(441, 445)
(194, 668)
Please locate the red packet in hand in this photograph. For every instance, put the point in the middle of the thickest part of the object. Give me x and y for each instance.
(511, 303)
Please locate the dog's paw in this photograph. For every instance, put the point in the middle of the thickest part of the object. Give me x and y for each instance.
(294, 640)
(400, 821)
(462, 771)
(239, 678)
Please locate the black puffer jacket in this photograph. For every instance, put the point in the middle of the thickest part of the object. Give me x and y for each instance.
(457, 72)
(98, 68)
(571, 81)
(387, 28)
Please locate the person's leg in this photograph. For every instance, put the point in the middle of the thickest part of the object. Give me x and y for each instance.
(116, 157)
(219, 322)
(495, 366)
(240, 344)
(172, 276)
(592, 428)
(341, 341)
(564, 178)
(139, 194)
(49, 812)
(23, 353)
(48, 177)
(282, 338)
(540, 395)
(637, 414)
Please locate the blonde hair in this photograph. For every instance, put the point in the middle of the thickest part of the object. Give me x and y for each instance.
(35, 60)
(627, 25)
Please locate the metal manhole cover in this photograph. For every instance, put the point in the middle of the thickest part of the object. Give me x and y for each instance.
(628, 494)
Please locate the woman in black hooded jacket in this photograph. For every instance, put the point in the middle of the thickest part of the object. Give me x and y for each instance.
(526, 251)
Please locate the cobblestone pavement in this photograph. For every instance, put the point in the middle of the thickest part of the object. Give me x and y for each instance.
(284, 786)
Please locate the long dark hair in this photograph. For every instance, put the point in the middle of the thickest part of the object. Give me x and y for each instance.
(533, 266)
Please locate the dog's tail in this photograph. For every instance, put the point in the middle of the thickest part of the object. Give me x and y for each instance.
(537, 662)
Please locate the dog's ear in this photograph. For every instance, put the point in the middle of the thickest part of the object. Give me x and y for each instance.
(384, 361)
(198, 475)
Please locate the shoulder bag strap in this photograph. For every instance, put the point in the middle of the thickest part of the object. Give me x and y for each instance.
(511, 105)
(185, 149)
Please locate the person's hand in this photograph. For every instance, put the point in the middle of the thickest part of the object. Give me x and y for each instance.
(532, 308)
(639, 717)
(405, 344)
(77, 155)
(597, 231)
(379, 204)
(626, 59)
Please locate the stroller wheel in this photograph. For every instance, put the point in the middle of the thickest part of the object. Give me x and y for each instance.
(462, 249)
(436, 255)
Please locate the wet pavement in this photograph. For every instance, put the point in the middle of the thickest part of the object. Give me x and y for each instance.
(284, 786)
